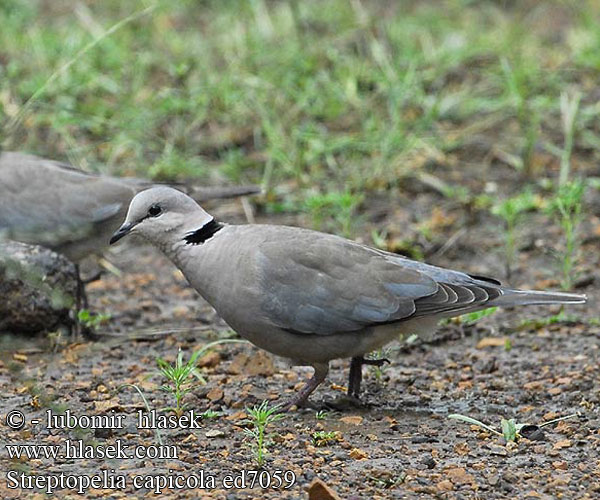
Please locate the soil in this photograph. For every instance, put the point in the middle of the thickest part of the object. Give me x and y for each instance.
(401, 443)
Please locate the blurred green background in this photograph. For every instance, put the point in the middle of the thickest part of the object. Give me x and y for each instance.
(322, 101)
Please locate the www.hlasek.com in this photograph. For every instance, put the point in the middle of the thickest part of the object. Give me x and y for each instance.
(109, 479)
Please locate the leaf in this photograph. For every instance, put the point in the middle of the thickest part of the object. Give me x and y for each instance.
(469, 420)
(509, 429)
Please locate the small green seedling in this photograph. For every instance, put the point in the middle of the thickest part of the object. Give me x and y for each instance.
(325, 438)
(379, 370)
(569, 109)
(388, 482)
(260, 417)
(321, 414)
(555, 319)
(518, 89)
(474, 317)
(567, 209)
(510, 211)
(208, 414)
(91, 320)
(180, 375)
(511, 431)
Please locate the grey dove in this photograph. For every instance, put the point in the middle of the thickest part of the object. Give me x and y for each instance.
(52, 204)
(310, 296)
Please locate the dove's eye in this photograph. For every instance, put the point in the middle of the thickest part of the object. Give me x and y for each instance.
(154, 210)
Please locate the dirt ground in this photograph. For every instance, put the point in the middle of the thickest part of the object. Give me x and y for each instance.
(401, 444)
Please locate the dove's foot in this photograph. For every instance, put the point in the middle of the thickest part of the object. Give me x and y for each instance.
(343, 403)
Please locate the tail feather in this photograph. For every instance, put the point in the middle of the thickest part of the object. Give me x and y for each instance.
(532, 297)
(216, 192)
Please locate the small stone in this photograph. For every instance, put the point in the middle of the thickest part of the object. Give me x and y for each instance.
(493, 480)
(352, 420)
(458, 475)
(260, 363)
(358, 454)
(209, 360)
(215, 394)
(318, 490)
(498, 450)
(563, 443)
(445, 485)
(461, 449)
(214, 433)
(491, 342)
(551, 415)
(536, 385)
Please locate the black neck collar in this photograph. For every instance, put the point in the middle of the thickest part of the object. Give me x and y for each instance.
(203, 234)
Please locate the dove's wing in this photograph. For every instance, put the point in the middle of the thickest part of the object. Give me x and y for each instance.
(322, 284)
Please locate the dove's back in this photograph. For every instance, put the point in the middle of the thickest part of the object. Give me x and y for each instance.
(52, 204)
(73, 212)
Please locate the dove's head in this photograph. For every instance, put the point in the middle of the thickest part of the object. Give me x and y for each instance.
(162, 215)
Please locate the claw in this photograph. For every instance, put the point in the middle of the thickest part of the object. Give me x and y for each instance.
(376, 362)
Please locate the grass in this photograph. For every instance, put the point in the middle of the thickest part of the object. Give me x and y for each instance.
(325, 438)
(379, 371)
(92, 320)
(567, 208)
(511, 210)
(260, 418)
(157, 432)
(180, 375)
(211, 414)
(473, 317)
(321, 414)
(330, 101)
(537, 323)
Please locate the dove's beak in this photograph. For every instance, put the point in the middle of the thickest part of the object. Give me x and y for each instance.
(124, 230)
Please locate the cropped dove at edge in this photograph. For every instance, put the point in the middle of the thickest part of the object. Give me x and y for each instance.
(73, 212)
(309, 296)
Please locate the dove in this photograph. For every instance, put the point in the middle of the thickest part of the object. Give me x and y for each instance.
(309, 296)
(72, 212)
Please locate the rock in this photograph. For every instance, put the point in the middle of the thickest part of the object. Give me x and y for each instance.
(445, 485)
(458, 475)
(260, 363)
(563, 443)
(38, 288)
(215, 394)
(209, 360)
(352, 420)
(491, 342)
(358, 454)
(214, 433)
(318, 490)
